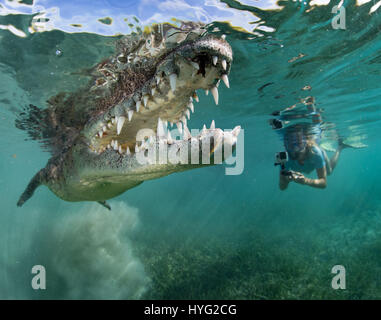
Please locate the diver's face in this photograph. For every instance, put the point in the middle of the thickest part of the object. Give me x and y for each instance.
(296, 146)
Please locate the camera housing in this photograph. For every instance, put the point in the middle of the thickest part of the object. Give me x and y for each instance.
(281, 158)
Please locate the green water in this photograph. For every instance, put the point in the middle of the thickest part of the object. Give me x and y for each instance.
(202, 234)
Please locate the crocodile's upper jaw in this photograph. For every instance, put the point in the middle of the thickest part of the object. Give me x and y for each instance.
(164, 99)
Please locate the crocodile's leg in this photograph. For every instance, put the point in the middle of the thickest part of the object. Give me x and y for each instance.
(105, 204)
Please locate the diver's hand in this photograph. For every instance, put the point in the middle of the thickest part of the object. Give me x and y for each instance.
(298, 177)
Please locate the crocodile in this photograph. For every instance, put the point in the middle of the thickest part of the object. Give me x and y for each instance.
(100, 135)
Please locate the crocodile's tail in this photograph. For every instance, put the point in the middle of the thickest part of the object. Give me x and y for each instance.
(36, 181)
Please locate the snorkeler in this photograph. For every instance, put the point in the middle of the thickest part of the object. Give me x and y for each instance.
(305, 156)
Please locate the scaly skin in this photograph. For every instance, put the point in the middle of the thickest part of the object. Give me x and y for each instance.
(93, 134)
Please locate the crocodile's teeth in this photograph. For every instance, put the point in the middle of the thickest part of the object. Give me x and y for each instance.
(138, 104)
(223, 37)
(160, 128)
(187, 134)
(104, 128)
(172, 81)
(187, 112)
(109, 125)
(145, 100)
(169, 137)
(119, 125)
(206, 92)
(136, 148)
(215, 60)
(120, 149)
(113, 120)
(195, 96)
(128, 151)
(108, 146)
(223, 62)
(153, 90)
(129, 114)
(100, 134)
(179, 127)
(116, 145)
(213, 125)
(215, 94)
(225, 79)
(184, 120)
(158, 80)
(191, 106)
(236, 131)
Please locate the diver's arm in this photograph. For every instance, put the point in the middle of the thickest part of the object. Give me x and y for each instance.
(283, 181)
(320, 182)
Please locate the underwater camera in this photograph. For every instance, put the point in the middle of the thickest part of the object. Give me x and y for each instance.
(276, 124)
(280, 159)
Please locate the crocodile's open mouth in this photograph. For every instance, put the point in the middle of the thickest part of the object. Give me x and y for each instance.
(165, 101)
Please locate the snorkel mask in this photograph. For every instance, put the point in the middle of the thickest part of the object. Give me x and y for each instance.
(295, 143)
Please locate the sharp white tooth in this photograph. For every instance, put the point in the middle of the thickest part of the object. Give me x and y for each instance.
(206, 92)
(215, 60)
(236, 131)
(184, 121)
(138, 104)
(113, 120)
(191, 106)
(153, 90)
(195, 65)
(116, 145)
(158, 80)
(213, 125)
(108, 146)
(112, 143)
(204, 127)
(119, 125)
(104, 128)
(172, 81)
(187, 134)
(223, 37)
(225, 79)
(215, 94)
(160, 129)
(195, 96)
(128, 151)
(109, 125)
(223, 62)
(136, 148)
(171, 123)
(120, 149)
(188, 114)
(100, 134)
(169, 137)
(145, 100)
(179, 127)
(129, 114)
(151, 140)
